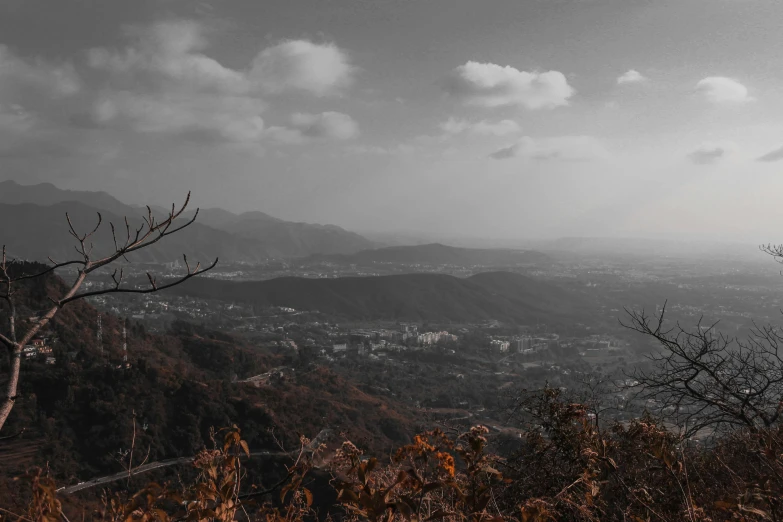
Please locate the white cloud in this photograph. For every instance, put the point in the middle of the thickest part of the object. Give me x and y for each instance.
(233, 119)
(334, 125)
(631, 76)
(498, 128)
(719, 89)
(163, 82)
(708, 153)
(321, 69)
(491, 85)
(18, 76)
(170, 52)
(557, 148)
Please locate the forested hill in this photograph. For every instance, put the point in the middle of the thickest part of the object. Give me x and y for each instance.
(438, 254)
(502, 296)
(77, 413)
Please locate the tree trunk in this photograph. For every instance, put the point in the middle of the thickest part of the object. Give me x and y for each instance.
(13, 381)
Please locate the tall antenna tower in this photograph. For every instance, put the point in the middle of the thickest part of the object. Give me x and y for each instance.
(124, 341)
(100, 333)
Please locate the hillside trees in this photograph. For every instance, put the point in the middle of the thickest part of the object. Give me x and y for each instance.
(19, 331)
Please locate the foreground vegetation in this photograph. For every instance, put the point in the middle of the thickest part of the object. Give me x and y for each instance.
(563, 468)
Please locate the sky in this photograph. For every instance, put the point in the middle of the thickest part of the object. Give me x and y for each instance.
(501, 118)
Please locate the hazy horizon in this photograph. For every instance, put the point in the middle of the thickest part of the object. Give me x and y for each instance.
(515, 120)
(591, 244)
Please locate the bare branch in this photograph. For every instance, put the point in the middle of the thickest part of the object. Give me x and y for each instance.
(147, 234)
(6, 341)
(707, 379)
(154, 288)
(52, 268)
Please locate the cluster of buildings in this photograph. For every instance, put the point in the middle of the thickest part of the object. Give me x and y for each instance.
(365, 341)
(39, 348)
(526, 344)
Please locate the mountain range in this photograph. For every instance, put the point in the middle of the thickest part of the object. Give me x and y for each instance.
(284, 238)
(33, 226)
(503, 296)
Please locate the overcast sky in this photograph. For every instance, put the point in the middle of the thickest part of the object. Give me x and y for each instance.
(504, 118)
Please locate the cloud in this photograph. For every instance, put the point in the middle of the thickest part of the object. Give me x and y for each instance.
(164, 82)
(484, 127)
(772, 156)
(491, 85)
(719, 89)
(709, 153)
(233, 119)
(558, 148)
(168, 54)
(334, 125)
(320, 69)
(32, 94)
(395, 150)
(631, 76)
(15, 120)
(19, 76)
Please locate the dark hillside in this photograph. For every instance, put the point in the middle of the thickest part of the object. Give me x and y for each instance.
(431, 297)
(34, 232)
(79, 412)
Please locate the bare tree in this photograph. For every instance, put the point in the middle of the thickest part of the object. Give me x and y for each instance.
(703, 378)
(148, 233)
(706, 379)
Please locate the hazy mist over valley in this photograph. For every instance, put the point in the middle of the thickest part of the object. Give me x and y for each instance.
(377, 261)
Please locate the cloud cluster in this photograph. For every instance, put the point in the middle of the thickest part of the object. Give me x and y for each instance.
(15, 120)
(335, 125)
(631, 76)
(557, 148)
(32, 92)
(772, 156)
(719, 89)
(483, 127)
(492, 85)
(163, 82)
(167, 55)
(20, 77)
(230, 118)
(321, 69)
(709, 153)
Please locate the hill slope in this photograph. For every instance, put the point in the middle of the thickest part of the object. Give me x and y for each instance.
(77, 413)
(437, 254)
(34, 232)
(286, 238)
(269, 236)
(433, 297)
(46, 194)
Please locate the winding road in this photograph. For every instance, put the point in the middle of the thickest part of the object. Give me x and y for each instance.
(321, 438)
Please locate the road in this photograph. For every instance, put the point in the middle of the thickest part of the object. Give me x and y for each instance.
(322, 437)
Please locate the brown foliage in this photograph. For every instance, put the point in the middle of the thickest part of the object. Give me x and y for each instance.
(566, 469)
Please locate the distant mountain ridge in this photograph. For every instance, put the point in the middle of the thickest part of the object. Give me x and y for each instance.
(503, 296)
(287, 238)
(252, 236)
(36, 232)
(438, 254)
